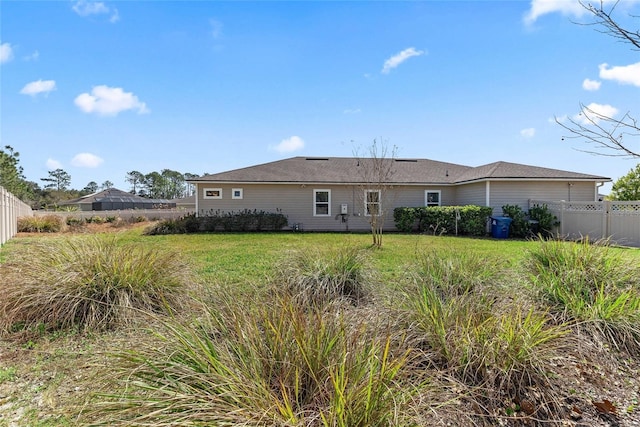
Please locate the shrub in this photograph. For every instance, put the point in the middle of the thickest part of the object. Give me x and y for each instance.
(519, 225)
(40, 224)
(592, 285)
(88, 283)
(465, 220)
(96, 219)
(546, 220)
(245, 220)
(75, 221)
(315, 278)
(262, 361)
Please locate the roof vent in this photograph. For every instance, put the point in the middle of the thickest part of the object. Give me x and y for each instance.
(407, 160)
(317, 158)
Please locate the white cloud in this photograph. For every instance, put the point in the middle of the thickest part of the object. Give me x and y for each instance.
(216, 28)
(53, 164)
(115, 16)
(109, 101)
(627, 74)
(399, 58)
(591, 85)
(86, 160)
(289, 145)
(6, 53)
(528, 132)
(352, 111)
(33, 57)
(597, 110)
(86, 8)
(543, 7)
(571, 8)
(39, 86)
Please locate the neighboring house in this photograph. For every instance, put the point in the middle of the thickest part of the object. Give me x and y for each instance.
(186, 203)
(114, 199)
(330, 194)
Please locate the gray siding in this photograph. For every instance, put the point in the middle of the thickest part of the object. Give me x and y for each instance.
(519, 193)
(296, 202)
(471, 194)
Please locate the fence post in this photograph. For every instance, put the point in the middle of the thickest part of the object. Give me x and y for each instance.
(3, 216)
(606, 219)
(562, 217)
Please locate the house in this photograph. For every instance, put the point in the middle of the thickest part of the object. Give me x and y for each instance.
(187, 203)
(114, 199)
(333, 193)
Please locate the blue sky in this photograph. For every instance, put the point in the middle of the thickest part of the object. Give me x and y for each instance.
(105, 87)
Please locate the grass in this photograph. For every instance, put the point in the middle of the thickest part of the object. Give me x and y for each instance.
(460, 313)
(317, 277)
(88, 284)
(262, 359)
(305, 329)
(591, 284)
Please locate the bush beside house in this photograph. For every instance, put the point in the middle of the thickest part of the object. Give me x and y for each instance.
(470, 220)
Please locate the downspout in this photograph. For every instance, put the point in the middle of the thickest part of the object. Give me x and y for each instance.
(597, 195)
(487, 193)
(197, 194)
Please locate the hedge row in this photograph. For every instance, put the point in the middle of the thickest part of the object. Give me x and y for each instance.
(468, 220)
(246, 220)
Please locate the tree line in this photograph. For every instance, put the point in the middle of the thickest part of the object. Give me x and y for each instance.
(55, 187)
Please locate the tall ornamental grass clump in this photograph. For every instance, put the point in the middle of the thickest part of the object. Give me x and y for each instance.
(261, 359)
(317, 277)
(91, 283)
(40, 224)
(472, 329)
(591, 284)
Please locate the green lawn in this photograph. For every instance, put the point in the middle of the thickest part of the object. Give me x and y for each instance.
(241, 257)
(462, 316)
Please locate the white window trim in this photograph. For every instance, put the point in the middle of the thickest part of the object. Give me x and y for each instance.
(205, 190)
(233, 193)
(320, 190)
(366, 202)
(426, 197)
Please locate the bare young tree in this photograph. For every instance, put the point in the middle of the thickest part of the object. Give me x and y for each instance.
(610, 136)
(376, 172)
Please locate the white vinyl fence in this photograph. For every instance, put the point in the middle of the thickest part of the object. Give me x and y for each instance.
(618, 221)
(11, 208)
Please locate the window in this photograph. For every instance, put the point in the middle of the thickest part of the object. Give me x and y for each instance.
(213, 193)
(372, 204)
(432, 198)
(321, 202)
(236, 193)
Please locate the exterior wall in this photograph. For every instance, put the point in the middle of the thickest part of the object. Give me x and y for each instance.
(296, 201)
(471, 194)
(520, 192)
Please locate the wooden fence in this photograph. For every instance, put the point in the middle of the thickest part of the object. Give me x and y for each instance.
(618, 221)
(11, 208)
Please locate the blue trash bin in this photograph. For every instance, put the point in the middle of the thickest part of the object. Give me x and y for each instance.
(500, 227)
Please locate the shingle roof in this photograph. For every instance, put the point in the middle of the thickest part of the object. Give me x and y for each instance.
(506, 170)
(405, 171)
